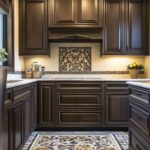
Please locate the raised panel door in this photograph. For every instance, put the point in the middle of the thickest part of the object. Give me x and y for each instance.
(114, 27)
(33, 30)
(136, 27)
(117, 109)
(46, 104)
(89, 12)
(64, 11)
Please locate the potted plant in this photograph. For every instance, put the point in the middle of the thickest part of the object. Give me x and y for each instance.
(3, 56)
(134, 70)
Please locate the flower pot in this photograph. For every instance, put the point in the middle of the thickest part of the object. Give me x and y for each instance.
(134, 73)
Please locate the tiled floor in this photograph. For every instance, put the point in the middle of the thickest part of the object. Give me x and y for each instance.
(77, 141)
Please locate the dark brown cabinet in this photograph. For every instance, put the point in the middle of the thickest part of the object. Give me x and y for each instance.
(114, 27)
(117, 105)
(33, 27)
(79, 104)
(26, 119)
(7, 130)
(4, 4)
(137, 27)
(125, 27)
(139, 127)
(46, 104)
(20, 115)
(75, 13)
(17, 127)
(34, 106)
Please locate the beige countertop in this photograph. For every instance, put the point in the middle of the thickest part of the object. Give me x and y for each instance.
(17, 82)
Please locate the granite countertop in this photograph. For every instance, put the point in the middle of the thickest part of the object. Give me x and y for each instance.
(17, 82)
(142, 84)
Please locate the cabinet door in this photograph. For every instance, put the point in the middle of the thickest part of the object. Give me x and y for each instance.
(64, 12)
(26, 119)
(46, 93)
(114, 27)
(33, 27)
(7, 131)
(89, 12)
(137, 27)
(34, 107)
(17, 127)
(117, 109)
(4, 4)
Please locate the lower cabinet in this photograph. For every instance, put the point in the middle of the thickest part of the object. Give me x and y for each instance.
(46, 104)
(17, 127)
(26, 119)
(20, 116)
(7, 131)
(117, 105)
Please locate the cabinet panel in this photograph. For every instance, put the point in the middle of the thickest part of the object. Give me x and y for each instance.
(46, 104)
(7, 131)
(114, 27)
(137, 41)
(34, 107)
(89, 11)
(78, 118)
(117, 109)
(33, 27)
(17, 127)
(64, 12)
(26, 119)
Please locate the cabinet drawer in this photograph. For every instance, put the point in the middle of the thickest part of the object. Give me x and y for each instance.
(137, 141)
(77, 100)
(79, 87)
(121, 86)
(79, 118)
(22, 93)
(140, 118)
(140, 95)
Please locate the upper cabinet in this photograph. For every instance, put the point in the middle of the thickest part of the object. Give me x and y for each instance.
(137, 27)
(33, 27)
(4, 4)
(125, 27)
(75, 13)
(114, 27)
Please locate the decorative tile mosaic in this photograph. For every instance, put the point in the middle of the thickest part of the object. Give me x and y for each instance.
(74, 59)
(77, 141)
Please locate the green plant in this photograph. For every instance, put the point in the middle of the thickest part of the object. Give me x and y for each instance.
(135, 66)
(3, 54)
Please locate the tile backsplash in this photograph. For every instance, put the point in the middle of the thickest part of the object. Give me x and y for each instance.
(98, 63)
(74, 59)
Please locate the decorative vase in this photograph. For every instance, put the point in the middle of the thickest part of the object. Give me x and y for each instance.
(134, 73)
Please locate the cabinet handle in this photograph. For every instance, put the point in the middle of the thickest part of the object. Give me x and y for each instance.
(138, 147)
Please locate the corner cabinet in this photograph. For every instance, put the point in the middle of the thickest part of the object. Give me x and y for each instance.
(125, 27)
(33, 27)
(75, 13)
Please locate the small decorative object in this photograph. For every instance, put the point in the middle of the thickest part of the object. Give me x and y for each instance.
(134, 70)
(3, 56)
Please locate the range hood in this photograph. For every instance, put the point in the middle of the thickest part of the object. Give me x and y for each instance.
(58, 35)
